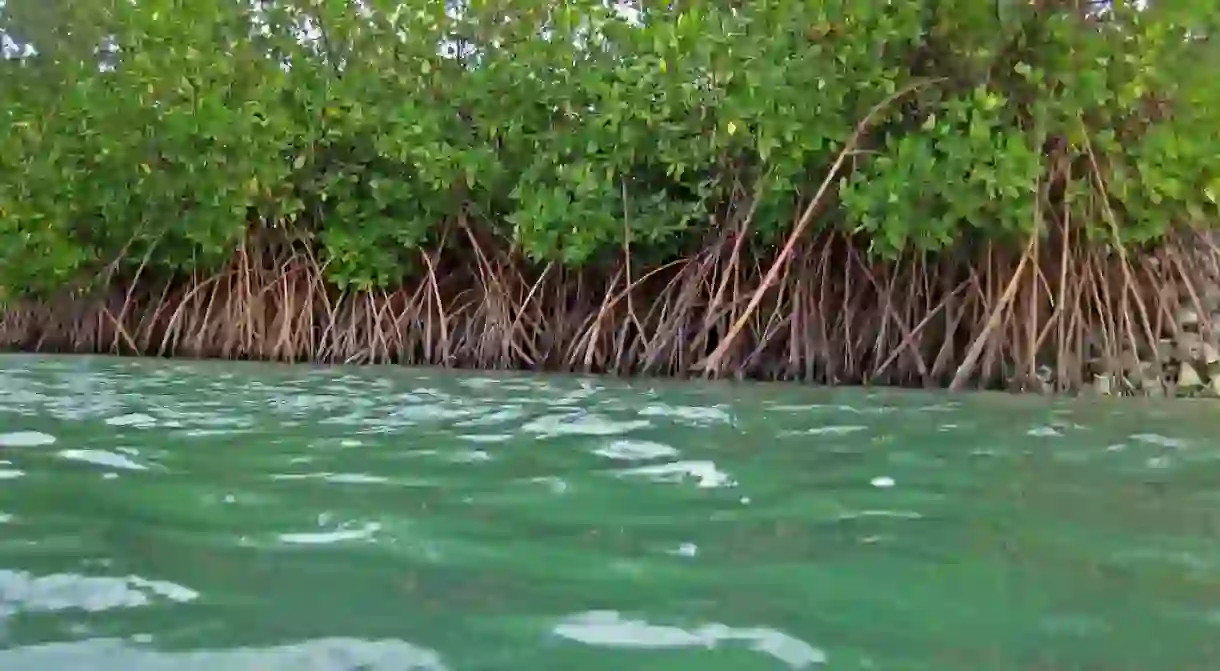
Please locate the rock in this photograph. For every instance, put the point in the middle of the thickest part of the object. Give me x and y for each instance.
(1211, 354)
(1149, 372)
(1165, 348)
(1129, 361)
(1211, 296)
(1190, 347)
(1187, 317)
(1188, 377)
(1103, 384)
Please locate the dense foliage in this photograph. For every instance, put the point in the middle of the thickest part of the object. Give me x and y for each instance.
(167, 132)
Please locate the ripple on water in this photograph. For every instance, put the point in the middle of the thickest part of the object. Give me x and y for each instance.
(485, 437)
(635, 450)
(469, 456)
(705, 472)
(317, 655)
(581, 424)
(1158, 440)
(692, 414)
(611, 630)
(26, 439)
(103, 458)
(833, 430)
(364, 533)
(556, 485)
(136, 420)
(336, 478)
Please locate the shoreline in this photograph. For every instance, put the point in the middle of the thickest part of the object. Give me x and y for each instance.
(880, 326)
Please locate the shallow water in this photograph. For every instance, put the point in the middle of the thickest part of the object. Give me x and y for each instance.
(168, 515)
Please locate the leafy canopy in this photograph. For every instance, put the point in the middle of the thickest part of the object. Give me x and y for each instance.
(163, 133)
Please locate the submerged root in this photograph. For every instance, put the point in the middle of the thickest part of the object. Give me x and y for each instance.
(1060, 315)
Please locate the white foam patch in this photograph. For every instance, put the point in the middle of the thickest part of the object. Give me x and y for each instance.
(705, 472)
(500, 416)
(337, 478)
(324, 654)
(636, 450)
(609, 629)
(892, 514)
(11, 474)
(26, 439)
(685, 550)
(366, 532)
(137, 420)
(1158, 440)
(23, 591)
(103, 458)
(478, 382)
(581, 424)
(556, 485)
(469, 456)
(882, 482)
(486, 437)
(1159, 462)
(833, 430)
(694, 414)
(1044, 432)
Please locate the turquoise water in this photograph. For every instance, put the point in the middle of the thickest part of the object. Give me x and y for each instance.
(174, 515)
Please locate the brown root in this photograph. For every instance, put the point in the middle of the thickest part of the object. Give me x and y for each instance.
(1065, 314)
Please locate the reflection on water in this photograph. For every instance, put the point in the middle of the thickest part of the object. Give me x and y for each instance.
(158, 515)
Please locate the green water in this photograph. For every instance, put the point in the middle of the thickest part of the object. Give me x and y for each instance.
(181, 516)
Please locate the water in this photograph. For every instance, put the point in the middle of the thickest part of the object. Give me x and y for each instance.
(158, 515)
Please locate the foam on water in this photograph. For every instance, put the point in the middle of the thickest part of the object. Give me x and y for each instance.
(485, 437)
(611, 630)
(894, 514)
(366, 532)
(137, 420)
(63, 591)
(686, 550)
(327, 654)
(835, 430)
(336, 478)
(634, 450)
(696, 415)
(468, 456)
(705, 473)
(26, 439)
(1158, 440)
(103, 458)
(581, 424)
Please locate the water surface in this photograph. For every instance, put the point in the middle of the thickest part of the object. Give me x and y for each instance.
(169, 515)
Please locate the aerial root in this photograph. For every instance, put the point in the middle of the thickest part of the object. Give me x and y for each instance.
(1063, 314)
